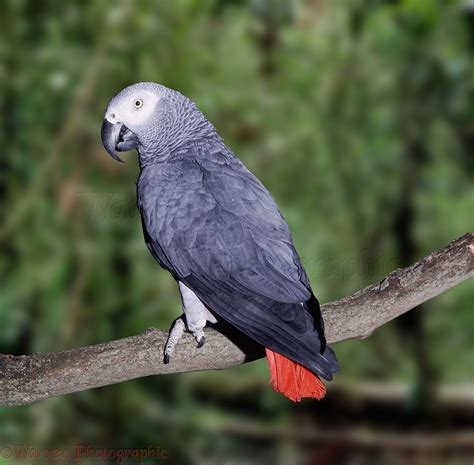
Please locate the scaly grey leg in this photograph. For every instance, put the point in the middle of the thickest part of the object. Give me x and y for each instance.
(175, 334)
(194, 319)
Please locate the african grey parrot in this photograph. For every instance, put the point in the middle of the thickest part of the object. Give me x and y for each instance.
(212, 224)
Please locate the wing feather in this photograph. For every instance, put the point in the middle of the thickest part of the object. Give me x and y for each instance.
(219, 231)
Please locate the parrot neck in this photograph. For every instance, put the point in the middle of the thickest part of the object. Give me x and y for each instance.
(175, 138)
(185, 147)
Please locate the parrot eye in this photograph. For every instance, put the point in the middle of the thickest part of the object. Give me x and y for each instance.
(138, 103)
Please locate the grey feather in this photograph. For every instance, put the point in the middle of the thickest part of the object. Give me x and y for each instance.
(216, 228)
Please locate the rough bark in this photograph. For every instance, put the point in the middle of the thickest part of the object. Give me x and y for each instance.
(25, 379)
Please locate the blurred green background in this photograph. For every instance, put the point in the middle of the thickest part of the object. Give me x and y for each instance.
(357, 115)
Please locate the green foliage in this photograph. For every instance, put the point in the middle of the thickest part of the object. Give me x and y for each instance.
(349, 112)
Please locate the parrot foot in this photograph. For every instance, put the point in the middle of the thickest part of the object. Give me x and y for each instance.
(200, 339)
(175, 334)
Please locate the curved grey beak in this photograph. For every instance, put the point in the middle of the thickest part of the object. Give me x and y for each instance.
(116, 137)
(110, 135)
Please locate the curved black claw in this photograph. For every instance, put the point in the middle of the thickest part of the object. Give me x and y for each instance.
(166, 358)
(201, 342)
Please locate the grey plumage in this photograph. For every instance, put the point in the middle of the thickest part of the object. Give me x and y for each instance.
(216, 228)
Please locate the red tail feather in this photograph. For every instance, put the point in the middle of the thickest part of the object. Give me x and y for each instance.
(292, 379)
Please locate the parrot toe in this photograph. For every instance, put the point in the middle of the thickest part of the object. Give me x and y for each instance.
(199, 336)
(174, 336)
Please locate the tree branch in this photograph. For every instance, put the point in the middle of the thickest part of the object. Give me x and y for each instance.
(25, 379)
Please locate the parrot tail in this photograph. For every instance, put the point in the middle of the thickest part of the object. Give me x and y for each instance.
(292, 379)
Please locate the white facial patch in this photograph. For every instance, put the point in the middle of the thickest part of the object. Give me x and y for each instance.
(129, 112)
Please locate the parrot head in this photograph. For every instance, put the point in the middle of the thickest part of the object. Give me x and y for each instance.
(151, 118)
